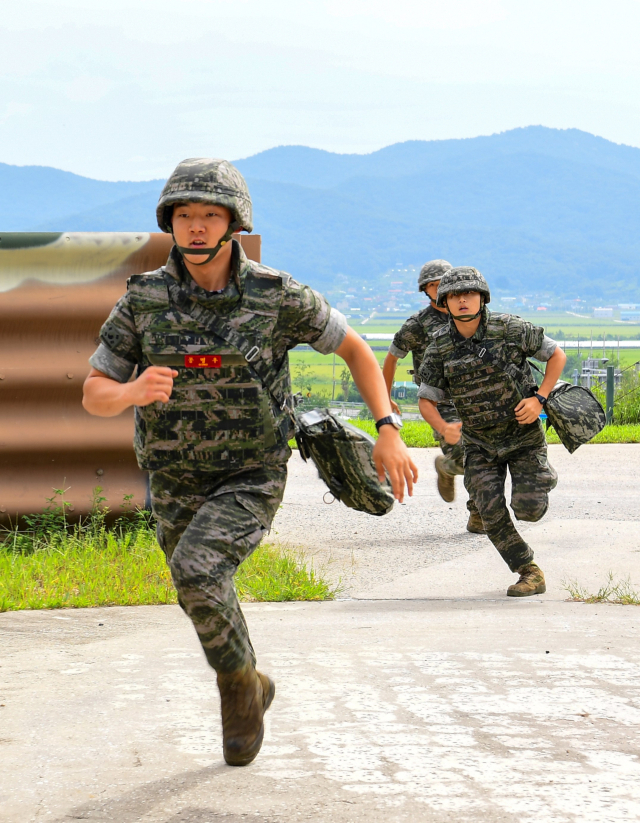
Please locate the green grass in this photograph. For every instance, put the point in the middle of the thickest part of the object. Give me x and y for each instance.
(621, 592)
(610, 434)
(53, 566)
(418, 435)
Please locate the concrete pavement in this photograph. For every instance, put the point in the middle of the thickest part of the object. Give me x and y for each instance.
(429, 697)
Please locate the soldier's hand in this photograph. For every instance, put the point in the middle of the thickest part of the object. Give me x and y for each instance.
(154, 384)
(390, 453)
(528, 410)
(395, 408)
(452, 433)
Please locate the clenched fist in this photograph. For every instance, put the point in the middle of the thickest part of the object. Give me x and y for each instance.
(155, 383)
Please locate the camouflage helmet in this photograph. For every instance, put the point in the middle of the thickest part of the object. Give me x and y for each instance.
(433, 270)
(206, 180)
(462, 279)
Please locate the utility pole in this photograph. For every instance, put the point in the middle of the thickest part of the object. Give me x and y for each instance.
(610, 387)
(333, 389)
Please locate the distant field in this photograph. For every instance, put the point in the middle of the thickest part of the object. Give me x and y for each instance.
(314, 372)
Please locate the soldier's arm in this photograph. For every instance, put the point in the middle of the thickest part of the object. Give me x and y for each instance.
(109, 390)
(388, 373)
(429, 410)
(402, 344)
(389, 453)
(105, 397)
(536, 344)
(431, 392)
(528, 410)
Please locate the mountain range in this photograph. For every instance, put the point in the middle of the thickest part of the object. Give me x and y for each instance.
(537, 210)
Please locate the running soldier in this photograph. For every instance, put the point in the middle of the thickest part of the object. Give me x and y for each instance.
(415, 336)
(480, 360)
(207, 336)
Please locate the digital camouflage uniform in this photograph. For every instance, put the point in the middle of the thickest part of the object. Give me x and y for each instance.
(217, 451)
(415, 336)
(485, 398)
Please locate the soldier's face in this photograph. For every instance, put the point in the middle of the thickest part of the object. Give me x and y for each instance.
(465, 303)
(199, 225)
(432, 289)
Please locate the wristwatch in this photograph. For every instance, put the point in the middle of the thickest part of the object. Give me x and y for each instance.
(541, 398)
(390, 420)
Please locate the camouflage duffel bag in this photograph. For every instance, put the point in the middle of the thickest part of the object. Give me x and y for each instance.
(575, 413)
(342, 455)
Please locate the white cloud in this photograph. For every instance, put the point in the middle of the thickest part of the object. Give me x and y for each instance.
(94, 87)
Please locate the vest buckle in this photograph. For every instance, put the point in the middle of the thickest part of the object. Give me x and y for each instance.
(251, 355)
(482, 352)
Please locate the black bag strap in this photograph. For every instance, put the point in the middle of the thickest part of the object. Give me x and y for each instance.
(251, 352)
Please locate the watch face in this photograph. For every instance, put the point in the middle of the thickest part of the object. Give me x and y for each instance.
(397, 420)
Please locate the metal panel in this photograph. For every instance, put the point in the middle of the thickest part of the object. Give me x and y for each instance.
(56, 290)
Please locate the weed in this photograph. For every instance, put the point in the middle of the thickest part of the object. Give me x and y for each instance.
(621, 592)
(55, 564)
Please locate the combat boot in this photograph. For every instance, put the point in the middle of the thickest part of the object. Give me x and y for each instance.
(245, 696)
(446, 481)
(475, 524)
(531, 582)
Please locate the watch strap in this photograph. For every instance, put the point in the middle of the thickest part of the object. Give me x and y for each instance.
(384, 421)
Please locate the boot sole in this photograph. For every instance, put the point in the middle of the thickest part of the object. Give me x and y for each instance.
(476, 531)
(248, 756)
(541, 589)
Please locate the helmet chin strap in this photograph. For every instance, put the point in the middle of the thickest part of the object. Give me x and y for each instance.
(467, 318)
(211, 253)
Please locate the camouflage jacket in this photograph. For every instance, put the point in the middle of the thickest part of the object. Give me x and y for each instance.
(415, 336)
(484, 394)
(219, 417)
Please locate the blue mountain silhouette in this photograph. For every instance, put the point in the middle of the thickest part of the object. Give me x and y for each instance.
(536, 210)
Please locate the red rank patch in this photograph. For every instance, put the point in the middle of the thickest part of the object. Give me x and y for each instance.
(202, 361)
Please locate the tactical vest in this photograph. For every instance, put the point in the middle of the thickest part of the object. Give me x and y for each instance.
(482, 392)
(219, 418)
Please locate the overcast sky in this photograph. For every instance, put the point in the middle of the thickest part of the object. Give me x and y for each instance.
(124, 89)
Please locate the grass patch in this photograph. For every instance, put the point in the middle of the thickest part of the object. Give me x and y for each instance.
(415, 433)
(620, 592)
(54, 565)
(418, 435)
(610, 434)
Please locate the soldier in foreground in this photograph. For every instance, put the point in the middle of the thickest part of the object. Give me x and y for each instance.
(414, 336)
(480, 361)
(199, 333)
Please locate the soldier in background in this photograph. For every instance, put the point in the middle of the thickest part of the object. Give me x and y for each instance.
(415, 336)
(211, 432)
(480, 360)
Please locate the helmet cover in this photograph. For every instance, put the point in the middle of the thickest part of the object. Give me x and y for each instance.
(462, 279)
(433, 270)
(206, 180)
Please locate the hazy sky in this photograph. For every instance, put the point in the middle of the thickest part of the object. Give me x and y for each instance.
(123, 89)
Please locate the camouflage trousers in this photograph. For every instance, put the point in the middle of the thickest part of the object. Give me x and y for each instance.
(532, 478)
(453, 462)
(207, 525)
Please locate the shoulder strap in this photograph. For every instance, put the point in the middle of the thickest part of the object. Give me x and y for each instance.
(251, 352)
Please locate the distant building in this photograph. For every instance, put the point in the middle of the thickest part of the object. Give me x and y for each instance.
(630, 316)
(594, 373)
(541, 308)
(600, 311)
(627, 306)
